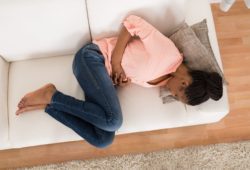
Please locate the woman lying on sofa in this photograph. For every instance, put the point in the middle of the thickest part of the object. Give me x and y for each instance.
(141, 55)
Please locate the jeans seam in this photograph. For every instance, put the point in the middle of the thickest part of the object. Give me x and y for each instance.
(78, 131)
(108, 105)
(99, 89)
(77, 111)
(80, 110)
(76, 128)
(107, 109)
(89, 73)
(72, 125)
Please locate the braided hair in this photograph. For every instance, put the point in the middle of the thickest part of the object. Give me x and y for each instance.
(205, 85)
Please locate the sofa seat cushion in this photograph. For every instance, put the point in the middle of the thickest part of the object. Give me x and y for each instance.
(46, 28)
(142, 108)
(37, 127)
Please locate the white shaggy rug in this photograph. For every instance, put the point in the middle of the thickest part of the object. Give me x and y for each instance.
(230, 156)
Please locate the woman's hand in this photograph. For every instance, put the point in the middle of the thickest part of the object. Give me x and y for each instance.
(118, 75)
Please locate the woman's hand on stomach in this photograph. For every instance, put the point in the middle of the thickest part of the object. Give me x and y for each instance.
(118, 75)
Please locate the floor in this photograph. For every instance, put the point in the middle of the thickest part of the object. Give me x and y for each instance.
(233, 32)
(222, 156)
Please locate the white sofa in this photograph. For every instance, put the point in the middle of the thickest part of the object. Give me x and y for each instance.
(38, 40)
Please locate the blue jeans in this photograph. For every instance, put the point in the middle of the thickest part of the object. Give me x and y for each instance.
(98, 117)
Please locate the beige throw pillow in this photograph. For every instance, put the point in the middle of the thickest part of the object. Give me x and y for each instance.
(194, 43)
(196, 55)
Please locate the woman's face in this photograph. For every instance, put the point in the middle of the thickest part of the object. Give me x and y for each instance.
(178, 82)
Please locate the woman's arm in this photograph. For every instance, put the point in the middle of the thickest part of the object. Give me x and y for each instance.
(121, 44)
(155, 43)
(118, 74)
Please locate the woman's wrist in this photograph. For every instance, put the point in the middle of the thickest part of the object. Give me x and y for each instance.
(115, 61)
(115, 64)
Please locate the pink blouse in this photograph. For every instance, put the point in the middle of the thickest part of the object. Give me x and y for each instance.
(145, 58)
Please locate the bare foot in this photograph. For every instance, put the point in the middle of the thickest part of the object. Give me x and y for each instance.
(40, 96)
(29, 108)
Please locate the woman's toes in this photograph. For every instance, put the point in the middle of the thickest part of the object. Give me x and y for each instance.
(20, 111)
(22, 102)
(30, 108)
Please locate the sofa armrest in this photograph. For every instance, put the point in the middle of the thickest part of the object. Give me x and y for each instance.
(4, 125)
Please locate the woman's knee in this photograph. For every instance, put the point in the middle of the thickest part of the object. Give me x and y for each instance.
(81, 58)
(105, 140)
(115, 122)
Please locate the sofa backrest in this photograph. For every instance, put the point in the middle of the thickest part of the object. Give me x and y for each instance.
(105, 17)
(35, 29)
(42, 28)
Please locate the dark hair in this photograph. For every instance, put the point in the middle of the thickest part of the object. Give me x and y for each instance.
(205, 85)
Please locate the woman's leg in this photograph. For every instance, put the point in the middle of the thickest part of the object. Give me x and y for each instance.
(101, 107)
(92, 134)
(95, 136)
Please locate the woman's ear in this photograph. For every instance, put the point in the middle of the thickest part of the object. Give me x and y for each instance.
(184, 83)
